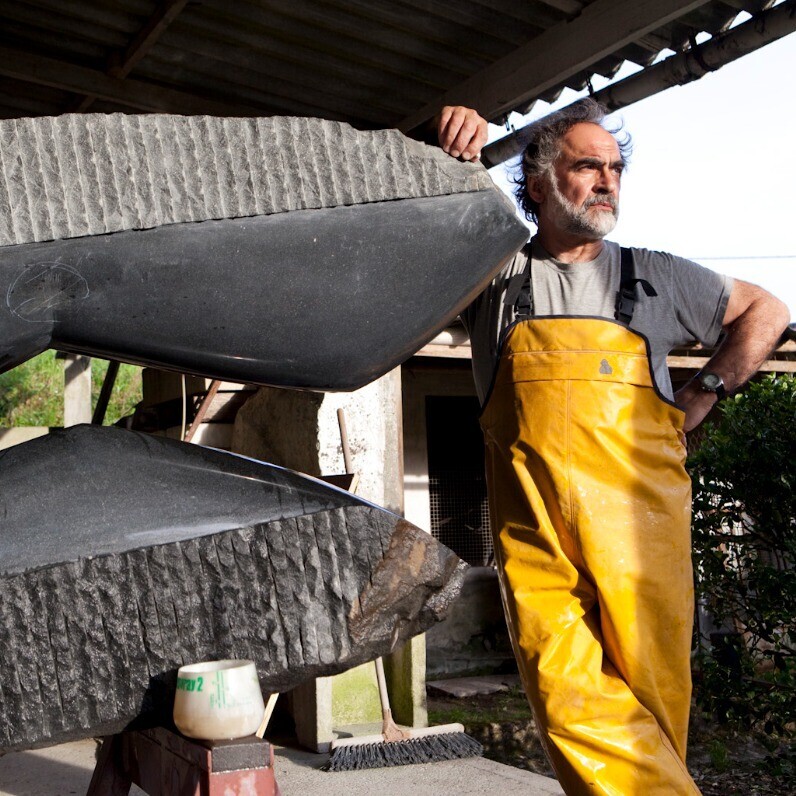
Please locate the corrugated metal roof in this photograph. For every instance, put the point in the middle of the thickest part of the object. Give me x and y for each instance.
(375, 63)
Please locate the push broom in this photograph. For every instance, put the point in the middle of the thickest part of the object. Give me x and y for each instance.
(396, 746)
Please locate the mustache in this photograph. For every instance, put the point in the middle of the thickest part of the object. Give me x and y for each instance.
(601, 199)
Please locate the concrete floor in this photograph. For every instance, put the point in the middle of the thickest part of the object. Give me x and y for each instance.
(66, 770)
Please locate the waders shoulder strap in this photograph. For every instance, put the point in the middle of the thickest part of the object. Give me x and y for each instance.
(626, 295)
(519, 293)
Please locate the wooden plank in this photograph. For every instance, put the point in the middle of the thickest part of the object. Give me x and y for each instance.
(697, 363)
(284, 65)
(424, 28)
(80, 30)
(533, 13)
(689, 363)
(282, 96)
(121, 62)
(567, 6)
(507, 28)
(130, 93)
(109, 778)
(449, 351)
(602, 28)
(321, 27)
(252, 49)
(462, 351)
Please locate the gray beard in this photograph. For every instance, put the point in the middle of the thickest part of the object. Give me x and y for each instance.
(576, 220)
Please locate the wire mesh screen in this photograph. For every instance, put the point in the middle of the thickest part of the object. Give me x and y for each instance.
(457, 488)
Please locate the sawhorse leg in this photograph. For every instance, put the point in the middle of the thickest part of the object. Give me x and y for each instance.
(110, 777)
(163, 763)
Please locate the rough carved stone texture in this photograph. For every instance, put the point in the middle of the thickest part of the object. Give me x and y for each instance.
(90, 174)
(90, 643)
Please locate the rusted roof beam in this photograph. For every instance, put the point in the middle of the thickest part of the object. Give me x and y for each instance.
(676, 70)
(600, 29)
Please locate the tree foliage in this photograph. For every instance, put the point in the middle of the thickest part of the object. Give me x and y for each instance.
(744, 473)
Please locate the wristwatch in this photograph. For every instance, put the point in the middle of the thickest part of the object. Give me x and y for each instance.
(712, 382)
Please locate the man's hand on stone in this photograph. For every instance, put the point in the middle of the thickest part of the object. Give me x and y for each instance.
(461, 131)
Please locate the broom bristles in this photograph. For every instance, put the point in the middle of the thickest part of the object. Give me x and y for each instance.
(424, 749)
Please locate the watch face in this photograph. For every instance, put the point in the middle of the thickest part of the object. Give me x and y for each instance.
(710, 381)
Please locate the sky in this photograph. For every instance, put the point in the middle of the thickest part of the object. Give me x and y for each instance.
(712, 176)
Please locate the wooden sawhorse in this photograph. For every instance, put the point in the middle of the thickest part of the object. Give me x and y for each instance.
(163, 763)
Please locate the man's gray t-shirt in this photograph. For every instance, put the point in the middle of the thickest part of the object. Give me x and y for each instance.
(689, 306)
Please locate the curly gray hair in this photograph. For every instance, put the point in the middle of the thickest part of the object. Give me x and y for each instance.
(543, 146)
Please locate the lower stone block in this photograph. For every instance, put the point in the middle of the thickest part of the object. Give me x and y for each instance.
(136, 555)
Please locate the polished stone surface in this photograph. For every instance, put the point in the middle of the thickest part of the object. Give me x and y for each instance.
(324, 299)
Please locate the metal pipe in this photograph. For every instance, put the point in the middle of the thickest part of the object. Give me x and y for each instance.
(105, 393)
(679, 69)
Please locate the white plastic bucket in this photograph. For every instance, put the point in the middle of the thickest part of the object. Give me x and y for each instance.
(218, 700)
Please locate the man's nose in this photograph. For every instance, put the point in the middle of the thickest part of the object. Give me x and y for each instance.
(608, 181)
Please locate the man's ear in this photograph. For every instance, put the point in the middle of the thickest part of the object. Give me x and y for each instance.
(537, 189)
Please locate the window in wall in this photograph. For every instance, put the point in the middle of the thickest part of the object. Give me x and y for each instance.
(457, 488)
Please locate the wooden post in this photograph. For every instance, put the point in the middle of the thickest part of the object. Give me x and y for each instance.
(77, 390)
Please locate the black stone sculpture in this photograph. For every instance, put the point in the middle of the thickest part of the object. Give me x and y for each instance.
(124, 556)
(292, 252)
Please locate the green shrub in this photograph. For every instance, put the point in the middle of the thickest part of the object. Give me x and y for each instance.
(744, 529)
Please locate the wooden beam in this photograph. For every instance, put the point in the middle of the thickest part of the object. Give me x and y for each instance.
(437, 350)
(531, 13)
(132, 93)
(77, 389)
(697, 363)
(165, 13)
(600, 29)
(567, 6)
(446, 351)
(121, 62)
(678, 69)
(453, 343)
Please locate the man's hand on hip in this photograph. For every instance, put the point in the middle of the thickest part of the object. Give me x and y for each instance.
(696, 403)
(753, 323)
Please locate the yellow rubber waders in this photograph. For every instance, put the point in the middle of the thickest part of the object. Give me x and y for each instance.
(590, 507)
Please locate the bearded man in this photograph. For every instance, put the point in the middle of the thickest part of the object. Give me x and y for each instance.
(589, 497)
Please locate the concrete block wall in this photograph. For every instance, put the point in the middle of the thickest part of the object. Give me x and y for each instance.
(300, 430)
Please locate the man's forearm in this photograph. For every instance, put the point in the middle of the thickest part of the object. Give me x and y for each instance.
(749, 340)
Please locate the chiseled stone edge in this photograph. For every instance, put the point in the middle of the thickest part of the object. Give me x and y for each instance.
(91, 645)
(90, 174)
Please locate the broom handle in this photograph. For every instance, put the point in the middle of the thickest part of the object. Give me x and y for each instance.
(390, 731)
(383, 695)
(344, 440)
